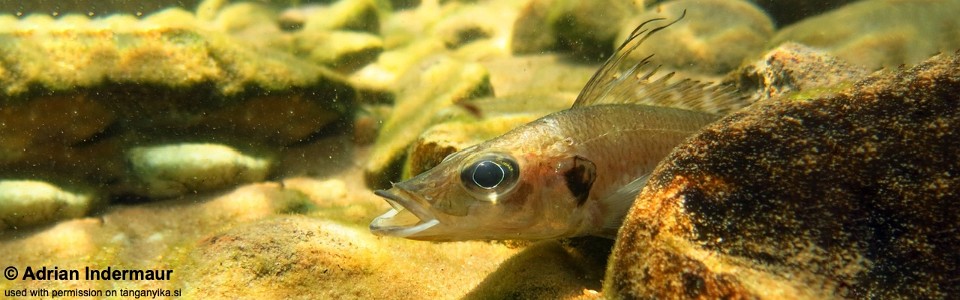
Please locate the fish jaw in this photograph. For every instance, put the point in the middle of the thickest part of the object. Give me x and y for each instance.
(408, 218)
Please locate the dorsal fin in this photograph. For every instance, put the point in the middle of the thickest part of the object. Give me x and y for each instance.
(638, 85)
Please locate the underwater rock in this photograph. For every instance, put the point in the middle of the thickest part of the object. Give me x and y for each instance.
(715, 37)
(347, 15)
(880, 33)
(174, 170)
(478, 30)
(547, 270)
(850, 195)
(259, 257)
(167, 49)
(795, 69)
(344, 51)
(786, 12)
(586, 29)
(438, 84)
(31, 128)
(258, 233)
(76, 91)
(25, 203)
(384, 75)
(239, 17)
(538, 80)
(253, 24)
(296, 256)
(367, 122)
(280, 119)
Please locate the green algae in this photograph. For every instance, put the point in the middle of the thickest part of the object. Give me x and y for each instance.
(819, 92)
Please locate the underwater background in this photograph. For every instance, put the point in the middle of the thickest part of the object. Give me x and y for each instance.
(237, 142)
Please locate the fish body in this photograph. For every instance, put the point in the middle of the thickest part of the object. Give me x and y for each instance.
(566, 174)
(571, 173)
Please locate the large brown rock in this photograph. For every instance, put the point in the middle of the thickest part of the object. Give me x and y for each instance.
(852, 195)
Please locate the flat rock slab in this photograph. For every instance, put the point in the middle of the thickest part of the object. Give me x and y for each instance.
(77, 93)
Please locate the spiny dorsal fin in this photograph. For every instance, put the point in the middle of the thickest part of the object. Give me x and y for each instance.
(638, 85)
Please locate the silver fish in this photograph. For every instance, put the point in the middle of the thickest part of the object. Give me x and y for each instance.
(571, 173)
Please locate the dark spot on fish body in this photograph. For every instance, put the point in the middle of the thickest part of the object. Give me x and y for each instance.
(580, 178)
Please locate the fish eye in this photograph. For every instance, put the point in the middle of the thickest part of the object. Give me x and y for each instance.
(490, 175)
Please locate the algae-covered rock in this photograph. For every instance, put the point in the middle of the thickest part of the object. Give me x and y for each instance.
(584, 28)
(173, 170)
(798, 70)
(850, 195)
(880, 33)
(439, 84)
(714, 37)
(168, 48)
(76, 91)
(25, 203)
(345, 51)
(352, 15)
(385, 74)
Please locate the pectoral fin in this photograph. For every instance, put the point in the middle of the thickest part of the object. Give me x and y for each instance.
(618, 203)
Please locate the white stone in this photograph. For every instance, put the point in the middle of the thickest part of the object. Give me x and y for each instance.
(173, 170)
(27, 203)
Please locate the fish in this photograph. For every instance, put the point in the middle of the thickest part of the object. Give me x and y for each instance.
(571, 173)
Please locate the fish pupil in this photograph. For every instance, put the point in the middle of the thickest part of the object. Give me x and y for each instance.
(488, 174)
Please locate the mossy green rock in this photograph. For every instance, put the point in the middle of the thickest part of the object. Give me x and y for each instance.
(851, 195)
(345, 51)
(76, 91)
(166, 49)
(880, 33)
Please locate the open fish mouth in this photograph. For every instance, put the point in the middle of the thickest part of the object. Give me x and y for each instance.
(405, 219)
